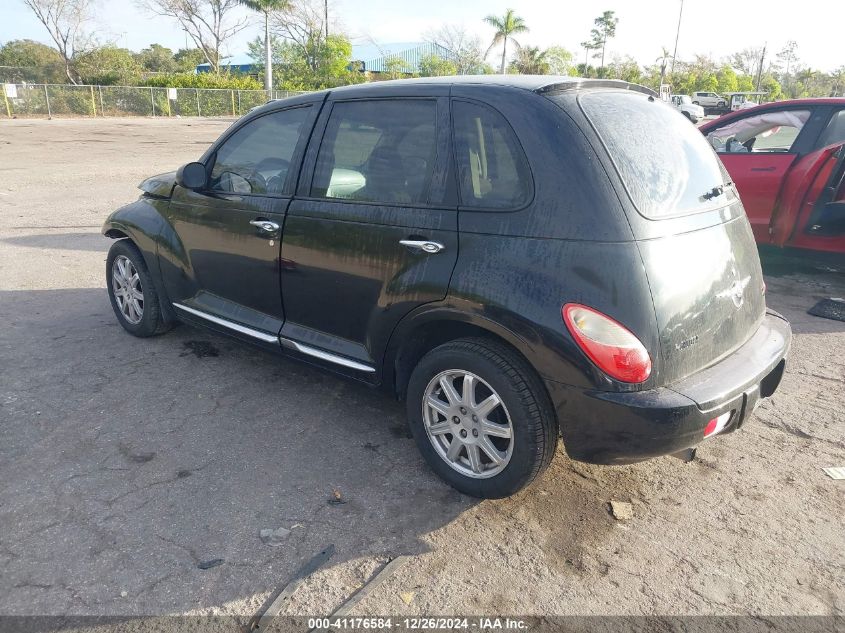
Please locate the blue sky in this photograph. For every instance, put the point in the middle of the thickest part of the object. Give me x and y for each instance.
(717, 27)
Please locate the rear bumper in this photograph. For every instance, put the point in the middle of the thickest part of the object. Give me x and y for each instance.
(616, 428)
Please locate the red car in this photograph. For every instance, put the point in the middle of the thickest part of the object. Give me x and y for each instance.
(787, 160)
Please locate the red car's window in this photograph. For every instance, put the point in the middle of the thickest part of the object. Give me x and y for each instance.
(835, 130)
(760, 133)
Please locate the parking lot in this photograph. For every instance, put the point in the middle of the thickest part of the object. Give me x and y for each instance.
(128, 465)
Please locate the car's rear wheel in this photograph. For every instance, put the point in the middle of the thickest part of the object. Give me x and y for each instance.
(131, 291)
(696, 103)
(481, 417)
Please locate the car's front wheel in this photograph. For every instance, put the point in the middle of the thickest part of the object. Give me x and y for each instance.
(131, 291)
(481, 418)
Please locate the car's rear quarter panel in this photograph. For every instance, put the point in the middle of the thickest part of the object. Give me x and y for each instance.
(572, 243)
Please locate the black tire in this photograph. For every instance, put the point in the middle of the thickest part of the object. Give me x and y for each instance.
(535, 427)
(686, 114)
(696, 103)
(151, 322)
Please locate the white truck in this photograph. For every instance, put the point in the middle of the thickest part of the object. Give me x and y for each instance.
(692, 111)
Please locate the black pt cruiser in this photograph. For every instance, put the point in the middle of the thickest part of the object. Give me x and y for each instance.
(516, 257)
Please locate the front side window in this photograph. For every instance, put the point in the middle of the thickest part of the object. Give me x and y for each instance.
(769, 132)
(256, 158)
(378, 151)
(492, 169)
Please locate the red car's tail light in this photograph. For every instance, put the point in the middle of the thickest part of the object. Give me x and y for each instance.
(611, 346)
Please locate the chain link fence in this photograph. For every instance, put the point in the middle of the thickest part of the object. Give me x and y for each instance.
(60, 100)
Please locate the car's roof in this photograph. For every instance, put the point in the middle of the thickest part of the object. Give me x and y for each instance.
(776, 105)
(532, 83)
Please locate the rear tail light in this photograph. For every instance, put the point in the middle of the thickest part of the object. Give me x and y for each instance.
(611, 346)
(716, 424)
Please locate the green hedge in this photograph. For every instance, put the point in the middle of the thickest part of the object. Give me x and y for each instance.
(204, 80)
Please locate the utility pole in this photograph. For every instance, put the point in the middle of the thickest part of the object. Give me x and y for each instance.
(760, 67)
(677, 35)
(326, 5)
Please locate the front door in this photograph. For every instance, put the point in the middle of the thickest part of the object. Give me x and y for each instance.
(758, 151)
(372, 236)
(225, 264)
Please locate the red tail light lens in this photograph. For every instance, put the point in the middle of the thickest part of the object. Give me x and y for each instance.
(611, 346)
(717, 424)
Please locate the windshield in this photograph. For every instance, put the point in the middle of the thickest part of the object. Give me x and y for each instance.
(667, 166)
(684, 99)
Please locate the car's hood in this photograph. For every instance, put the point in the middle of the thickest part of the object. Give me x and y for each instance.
(160, 186)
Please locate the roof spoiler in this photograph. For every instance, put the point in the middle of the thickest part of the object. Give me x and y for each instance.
(594, 83)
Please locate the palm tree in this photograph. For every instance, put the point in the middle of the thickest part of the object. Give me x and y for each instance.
(506, 27)
(663, 59)
(266, 7)
(530, 60)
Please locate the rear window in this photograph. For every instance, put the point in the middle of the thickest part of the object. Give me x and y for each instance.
(667, 166)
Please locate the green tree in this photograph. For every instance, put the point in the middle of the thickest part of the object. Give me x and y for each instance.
(156, 59)
(395, 67)
(626, 69)
(506, 27)
(604, 30)
(26, 60)
(727, 80)
(265, 7)
(530, 60)
(209, 23)
(436, 66)
(108, 65)
(313, 64)
(65, 21)
(187, 59)
(559, 60)
(663, 60)
(588, 46)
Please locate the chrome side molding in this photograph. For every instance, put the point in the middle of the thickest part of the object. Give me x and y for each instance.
(318, 353)
(237, 327)
(286, 342)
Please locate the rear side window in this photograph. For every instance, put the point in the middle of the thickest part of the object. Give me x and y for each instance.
(378, 151)
(492, 169)
(665, 163)
(256, 158)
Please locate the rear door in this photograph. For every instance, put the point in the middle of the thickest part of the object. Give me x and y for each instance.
(758, 151)
(224, 267)
(371, 235)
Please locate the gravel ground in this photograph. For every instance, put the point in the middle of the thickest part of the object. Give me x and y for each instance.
(126, 463)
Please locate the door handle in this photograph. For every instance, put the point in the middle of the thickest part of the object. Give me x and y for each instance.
(423, 245)
(265, 225)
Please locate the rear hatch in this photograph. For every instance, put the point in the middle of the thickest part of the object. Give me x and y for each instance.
(697, 247)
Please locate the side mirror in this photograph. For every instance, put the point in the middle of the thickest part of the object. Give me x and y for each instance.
(192, 176)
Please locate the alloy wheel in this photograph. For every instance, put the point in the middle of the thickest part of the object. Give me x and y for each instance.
(127, 290)
(468, 424)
